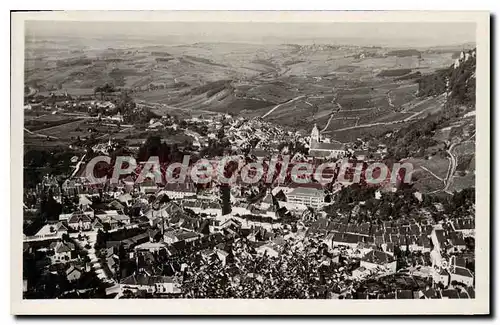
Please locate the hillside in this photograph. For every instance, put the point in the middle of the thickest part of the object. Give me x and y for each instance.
(446, 138)
(459, 80)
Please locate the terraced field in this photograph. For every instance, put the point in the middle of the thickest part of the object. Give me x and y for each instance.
(342, 90)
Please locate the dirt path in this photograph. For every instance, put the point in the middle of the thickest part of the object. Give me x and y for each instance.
(39, 134)
(277, 106)
(430, 172)
(330, 119)
(59, 125)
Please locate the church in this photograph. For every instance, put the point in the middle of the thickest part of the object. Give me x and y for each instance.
(319, 149)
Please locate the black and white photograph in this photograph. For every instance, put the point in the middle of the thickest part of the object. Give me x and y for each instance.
(170, 160)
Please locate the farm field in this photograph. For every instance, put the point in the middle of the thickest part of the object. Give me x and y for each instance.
(465, 148)
(31, 141)
(65, 131)
(375, 131)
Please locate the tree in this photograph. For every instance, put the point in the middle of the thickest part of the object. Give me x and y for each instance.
(220, 133)
(65, 238)
(106, 226)
(100, 240)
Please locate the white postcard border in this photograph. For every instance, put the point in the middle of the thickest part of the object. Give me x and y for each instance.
(479, 305)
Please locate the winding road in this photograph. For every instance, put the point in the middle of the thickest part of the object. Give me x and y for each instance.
(453, 163)
(452, 167)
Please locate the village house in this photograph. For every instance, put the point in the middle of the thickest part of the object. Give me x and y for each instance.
(174, 236)
(73, 273)
(131, 242)
(116, 205)
(269, 249)
(88, 211)
(125, 198)
(180, 190)
(441, 275)
(430, 293)
(213, 209)
(151, 247)
(80, 222)
(148, 186)
(71, 187)
(114, 218)
(458, 271)
(378, 260)
(96, 225)
(51, 230)
(62, 251)
(345, 239)
(223, 256)
(198, 225)
(84, 201)
(456, 241)
(465, 225)
(361, 273)
(151, 284)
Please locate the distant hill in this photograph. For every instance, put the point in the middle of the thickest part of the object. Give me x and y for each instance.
(403, 53)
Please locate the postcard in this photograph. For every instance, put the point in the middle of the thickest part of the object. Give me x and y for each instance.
(250, 163)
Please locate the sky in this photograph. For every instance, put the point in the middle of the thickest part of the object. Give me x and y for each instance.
(380, 33)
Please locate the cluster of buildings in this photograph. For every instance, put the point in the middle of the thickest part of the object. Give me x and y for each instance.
(155, 232)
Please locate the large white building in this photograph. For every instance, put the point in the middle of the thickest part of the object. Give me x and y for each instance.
(311, 197)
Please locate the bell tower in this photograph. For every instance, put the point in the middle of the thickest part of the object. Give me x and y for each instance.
(314, 136)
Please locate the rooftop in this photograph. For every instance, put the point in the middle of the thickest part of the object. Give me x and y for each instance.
(327, 146)
(142, 279)
(306, 191)
(378, 257)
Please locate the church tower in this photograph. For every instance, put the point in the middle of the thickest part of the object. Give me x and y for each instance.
(314, 136)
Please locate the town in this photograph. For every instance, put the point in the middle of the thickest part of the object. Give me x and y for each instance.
(280, 239)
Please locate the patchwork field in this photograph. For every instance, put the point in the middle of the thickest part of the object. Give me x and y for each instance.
(347, 91)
